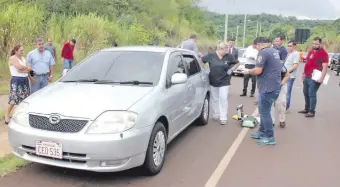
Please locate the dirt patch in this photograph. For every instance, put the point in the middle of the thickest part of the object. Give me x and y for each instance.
(3, 101)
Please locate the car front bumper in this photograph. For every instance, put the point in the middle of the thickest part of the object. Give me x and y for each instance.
(99, 153)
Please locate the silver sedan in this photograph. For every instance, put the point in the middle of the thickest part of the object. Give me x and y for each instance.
(115, 110)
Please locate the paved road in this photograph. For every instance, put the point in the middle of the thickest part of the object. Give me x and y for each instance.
(306, 154)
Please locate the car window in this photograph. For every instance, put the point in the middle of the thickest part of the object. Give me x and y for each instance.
(192, 64)
(175, 65)
(241, 53)
(119, 66)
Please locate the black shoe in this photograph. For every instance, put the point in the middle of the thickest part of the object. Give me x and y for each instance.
(303, 111)
(244, 94)
(309, 115)
(282, 124)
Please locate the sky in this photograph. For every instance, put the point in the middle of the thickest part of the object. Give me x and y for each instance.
(312, 9)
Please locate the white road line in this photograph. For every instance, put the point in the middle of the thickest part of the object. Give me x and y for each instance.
(222, 166)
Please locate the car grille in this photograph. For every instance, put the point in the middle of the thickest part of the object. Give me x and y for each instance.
(65, 125)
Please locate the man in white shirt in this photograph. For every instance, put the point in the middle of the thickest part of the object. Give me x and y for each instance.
(291, 63)
(251, 55)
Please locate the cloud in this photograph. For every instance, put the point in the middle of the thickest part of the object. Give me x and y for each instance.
(316, 9)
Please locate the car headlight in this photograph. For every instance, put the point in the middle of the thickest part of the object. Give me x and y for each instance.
(20, 114)
(112, 122)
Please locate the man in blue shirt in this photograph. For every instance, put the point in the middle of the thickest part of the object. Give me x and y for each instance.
(268, 72)
(278, 46)
(41, 62)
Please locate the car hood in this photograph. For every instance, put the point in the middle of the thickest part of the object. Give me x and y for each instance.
(84, 100)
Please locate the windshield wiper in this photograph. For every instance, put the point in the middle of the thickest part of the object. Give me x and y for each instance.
(82, 80)
(122, 82)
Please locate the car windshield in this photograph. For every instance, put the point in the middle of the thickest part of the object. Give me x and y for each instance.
(139, 68)
(241, 52)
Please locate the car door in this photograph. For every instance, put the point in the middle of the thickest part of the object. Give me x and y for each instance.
(196, 85)
(176, 95)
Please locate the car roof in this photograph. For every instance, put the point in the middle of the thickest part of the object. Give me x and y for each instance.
(145, 49)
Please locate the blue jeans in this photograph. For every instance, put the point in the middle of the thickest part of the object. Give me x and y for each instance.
(266, 101)
(310, 87)
(68, 64)
(41, 81)
(290, 84)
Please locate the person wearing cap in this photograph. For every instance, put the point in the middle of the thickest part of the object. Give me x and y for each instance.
(268, 75)
(67, 54)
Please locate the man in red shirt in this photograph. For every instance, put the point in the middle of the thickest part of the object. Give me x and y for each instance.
(317, 59)
(67, 54)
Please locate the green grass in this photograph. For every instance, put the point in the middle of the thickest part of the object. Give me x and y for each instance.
(10, 164)
(2, 113)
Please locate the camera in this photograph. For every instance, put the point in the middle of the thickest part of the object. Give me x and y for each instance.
(32, 73)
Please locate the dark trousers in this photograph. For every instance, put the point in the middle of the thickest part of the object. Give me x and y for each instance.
(310, 88)
(246, 80)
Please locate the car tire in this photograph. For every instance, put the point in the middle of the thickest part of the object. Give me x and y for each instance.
(158, 143)
(204, 116)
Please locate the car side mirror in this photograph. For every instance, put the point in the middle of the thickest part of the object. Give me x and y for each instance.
(179, 78)
(65, 72)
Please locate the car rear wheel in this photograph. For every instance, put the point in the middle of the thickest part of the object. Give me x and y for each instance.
(155, 154)
(204, 117)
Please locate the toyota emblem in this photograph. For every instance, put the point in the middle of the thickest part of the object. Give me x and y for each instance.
(54, 119)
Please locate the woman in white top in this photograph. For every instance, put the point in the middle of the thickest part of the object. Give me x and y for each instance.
(19, 86)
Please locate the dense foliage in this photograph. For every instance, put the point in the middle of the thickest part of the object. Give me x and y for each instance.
(272, 25)
(98, 23)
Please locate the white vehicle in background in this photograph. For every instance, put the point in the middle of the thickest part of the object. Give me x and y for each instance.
(242, 60)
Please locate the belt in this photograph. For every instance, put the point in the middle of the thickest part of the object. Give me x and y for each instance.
(41, 74)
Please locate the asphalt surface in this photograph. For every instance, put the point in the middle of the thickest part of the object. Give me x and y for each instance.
(306, 154)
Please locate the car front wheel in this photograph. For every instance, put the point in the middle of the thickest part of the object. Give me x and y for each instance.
(155, 154)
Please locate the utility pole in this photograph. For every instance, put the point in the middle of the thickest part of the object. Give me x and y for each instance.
(257, 28)
(260, 28)
(244, 29)
(226, 27)
(236, 39)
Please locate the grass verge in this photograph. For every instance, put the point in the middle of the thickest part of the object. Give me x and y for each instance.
(10, 164)
(2, 114)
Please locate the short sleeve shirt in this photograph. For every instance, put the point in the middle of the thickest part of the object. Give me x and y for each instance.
(314, 60)
(220, 72)
(282, 52)
(189, 45)
(292, 58)
(40, 62)
(270, 78)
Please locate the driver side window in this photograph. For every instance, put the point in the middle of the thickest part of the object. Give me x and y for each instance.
(175, 65)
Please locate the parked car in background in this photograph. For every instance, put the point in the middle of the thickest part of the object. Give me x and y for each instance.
(115, 110)
(330, 55)
(335, 63)
(242, 61)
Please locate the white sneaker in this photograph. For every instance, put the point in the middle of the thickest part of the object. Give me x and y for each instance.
(223, 122)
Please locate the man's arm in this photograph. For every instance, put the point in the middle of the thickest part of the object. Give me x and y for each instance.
(260, 63)
(236, 54)
(283, 53)
(295, 63)
(324, 67)
(51, 64)
(30, 62)
(55, 53)
(63, 51)
(285, 79)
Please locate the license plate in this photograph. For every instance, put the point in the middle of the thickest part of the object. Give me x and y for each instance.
(49, 149)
